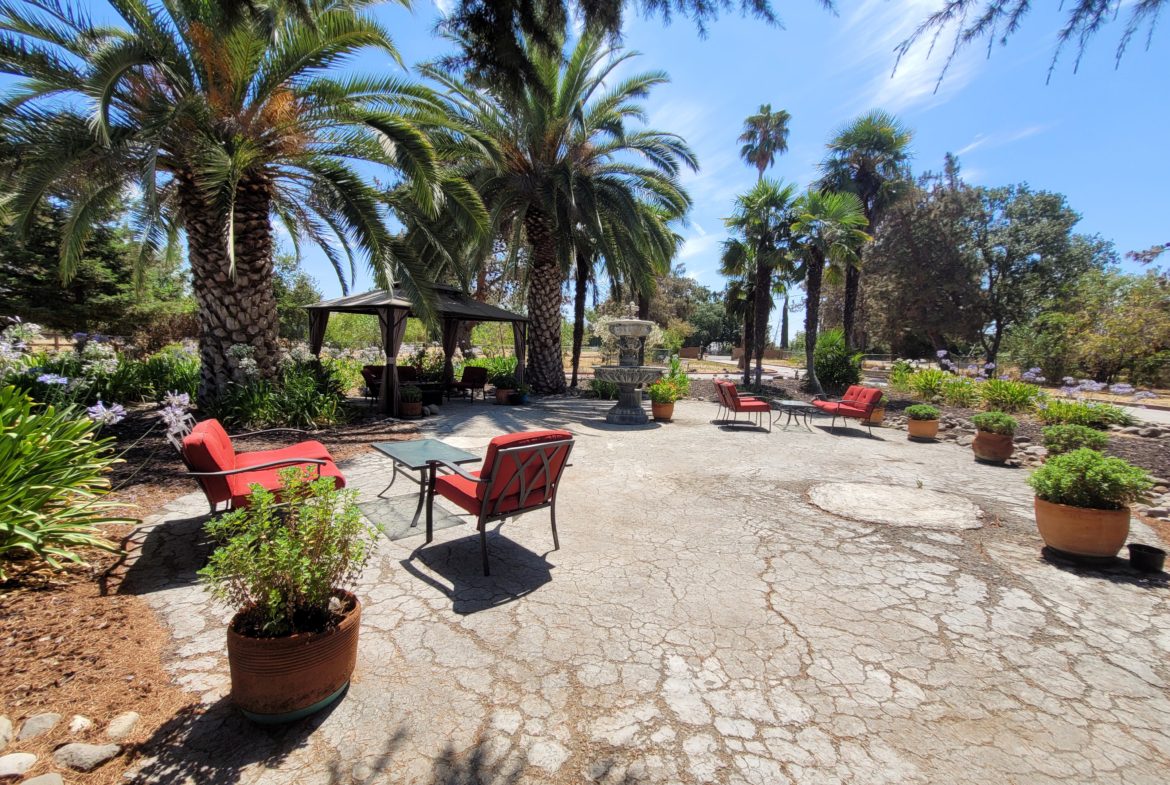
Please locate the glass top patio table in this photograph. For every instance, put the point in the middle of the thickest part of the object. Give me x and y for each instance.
(415, 454)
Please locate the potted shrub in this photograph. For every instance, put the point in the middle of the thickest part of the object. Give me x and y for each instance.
(922, 421)
(505, 384)
(285, 565)
(410, 401)
(994, 434)
(1082, 502)
(1066, 438)
(878, 415)
(663, 394)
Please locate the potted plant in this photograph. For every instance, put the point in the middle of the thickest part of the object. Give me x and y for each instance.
(1082, 502)
(663, 394)
(505, 384)
(878, 415)
(285, 565)
(922, 421)
(520, 396)
(994, 434)
(410, 401)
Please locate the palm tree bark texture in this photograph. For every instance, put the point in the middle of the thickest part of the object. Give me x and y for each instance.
(546, 372)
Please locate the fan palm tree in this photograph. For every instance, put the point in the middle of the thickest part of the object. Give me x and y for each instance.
(223, 116)
(765, 136)
(868, 158)
(559, 164)
(737, 262)
(763, 218)
(827, 230)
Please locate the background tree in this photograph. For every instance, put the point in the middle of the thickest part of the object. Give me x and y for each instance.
(294, 289)
(737, 262)
(867, 158)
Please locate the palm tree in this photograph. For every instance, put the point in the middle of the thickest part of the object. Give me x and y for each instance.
(765, 135)
(737, 262)
(223, 116)
(828, 230)
(559, 163)
(763, 218)
(867, 158)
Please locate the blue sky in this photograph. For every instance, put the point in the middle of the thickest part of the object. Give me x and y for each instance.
(1093, 135)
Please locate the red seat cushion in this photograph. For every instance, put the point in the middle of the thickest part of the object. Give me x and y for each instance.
(743, 405)
(269, 479)
(306, 449)
(847, 410)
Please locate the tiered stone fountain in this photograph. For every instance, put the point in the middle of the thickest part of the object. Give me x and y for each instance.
(627, 375)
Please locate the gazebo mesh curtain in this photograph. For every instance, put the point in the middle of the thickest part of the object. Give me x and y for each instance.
(392, 322)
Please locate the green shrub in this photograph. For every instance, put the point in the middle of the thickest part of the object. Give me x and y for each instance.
(410, 394)
(995, 422)
(1066, 438)
(504, 381)
(835, 365)
(52, 479)
(921, 411)
(606, 391)
(1086, 478)
(1008, 395)
(928, 383)
(960, 391)
(900, 374)
(307, 395)
(1056, 411)
(279, 562)
(172, 369)
(494, 365)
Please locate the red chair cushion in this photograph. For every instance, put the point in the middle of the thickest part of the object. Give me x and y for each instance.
(306, 449)
(752, 406)
(269, 479)
(847, 410)
(853, 393)
(869, 397)
(209, 449)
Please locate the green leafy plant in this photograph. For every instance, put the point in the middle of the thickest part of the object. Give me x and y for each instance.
(1086, 478)
(928, 383)
(1066, 438)
(665, 390)
(496, 366)
(960, 391)
(837, 368)
(995, 422)
(921, 411)
(281, 559)
(410, 394)
(1009, 395)
(504, 381)
(52, 480)
(606, 391)
(1056, 411)
(900, 373)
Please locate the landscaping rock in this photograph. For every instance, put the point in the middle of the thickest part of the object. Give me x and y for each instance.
(38, 725)
(1037, 450)
(1150, 433)
(16, 764)
(122, 726)
(1131, 429)
(964, 440)
(85, 757)
(52, 778)
(5, 732)
(1158, 512)
(1160, 489)
(80, 724)
(1022, 440)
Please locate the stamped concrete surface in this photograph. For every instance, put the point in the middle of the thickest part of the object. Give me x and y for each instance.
(727, 606)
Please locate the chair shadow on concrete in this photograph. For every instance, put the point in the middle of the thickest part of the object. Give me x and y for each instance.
(516, 571)
(1115, 570)
(849, 432)
(166, 555)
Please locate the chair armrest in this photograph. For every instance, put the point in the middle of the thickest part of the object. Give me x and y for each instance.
(270, 465)
(457, 469)
(267, 430)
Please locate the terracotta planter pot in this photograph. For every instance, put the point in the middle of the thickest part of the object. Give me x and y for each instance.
(410, 408)
(992, 447)
(285, 679)
(662, 411)
(877, 416)
(502, 395)
(925, 430)
(1080, 531)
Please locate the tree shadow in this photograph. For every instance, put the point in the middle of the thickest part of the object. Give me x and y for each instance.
(165, 555)
(1114, 570)
(849, 432)
(516, 571)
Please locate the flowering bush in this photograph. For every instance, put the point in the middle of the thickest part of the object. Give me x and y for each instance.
(1094, 415)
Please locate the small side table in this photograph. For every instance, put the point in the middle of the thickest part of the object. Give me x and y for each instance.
(794, 409)
(415, 456)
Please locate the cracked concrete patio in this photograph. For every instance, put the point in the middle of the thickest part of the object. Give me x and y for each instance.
(706, 621)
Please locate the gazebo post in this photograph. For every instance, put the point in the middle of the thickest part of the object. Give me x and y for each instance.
(392, 322)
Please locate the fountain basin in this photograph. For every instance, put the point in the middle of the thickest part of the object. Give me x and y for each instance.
(628, 410)
(631, 328)
(628, 374)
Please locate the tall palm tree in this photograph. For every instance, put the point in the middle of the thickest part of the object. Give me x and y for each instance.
(737, 262)
(868, 158)
(763, 217)
(827, 230)
(223, 116)
(559, 162)
(765, 136)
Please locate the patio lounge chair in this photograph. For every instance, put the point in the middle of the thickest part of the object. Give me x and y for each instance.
(227, 476)
(735, 404)
(721, 398)
(473, 378)
(521, 473)
(858, 402)
(372, 376)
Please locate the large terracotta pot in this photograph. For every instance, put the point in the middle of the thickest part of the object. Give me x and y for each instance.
(502, 395)
(662, 411)
(992, 447)
(1081, 531)
(410, 408)
(877, 416)
(285, 679)
(922, 429)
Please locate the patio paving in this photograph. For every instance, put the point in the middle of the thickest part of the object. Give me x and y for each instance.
(706, 621)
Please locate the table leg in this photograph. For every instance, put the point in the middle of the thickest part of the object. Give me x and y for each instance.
(393, 477)
(423, 483)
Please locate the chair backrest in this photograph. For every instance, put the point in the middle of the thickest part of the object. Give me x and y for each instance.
(869, 398)
(208, 448)
(474, 374)
(853, 393)
(523, 469)
(730, 393)
(407, 373)
(372, 374)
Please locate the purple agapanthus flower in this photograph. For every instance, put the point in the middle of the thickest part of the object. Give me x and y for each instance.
(106, 415)
(80, 336)
(1143, 395)
(177, 399)
(52, 378)
(1005, 377)
(1121, 388)
(175, 417)
(1069, 381)
(989, 366)
(941, 353)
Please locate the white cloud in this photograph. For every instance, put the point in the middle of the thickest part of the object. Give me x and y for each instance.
(999, 140)
(445, 6)
(698, 245)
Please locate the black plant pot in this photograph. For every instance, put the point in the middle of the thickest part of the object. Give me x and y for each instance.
(1146, 558)
(515, 399)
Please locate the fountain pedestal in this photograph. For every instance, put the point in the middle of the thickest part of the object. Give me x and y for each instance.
(628, 375)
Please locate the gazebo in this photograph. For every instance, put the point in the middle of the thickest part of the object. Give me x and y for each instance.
(393, 309)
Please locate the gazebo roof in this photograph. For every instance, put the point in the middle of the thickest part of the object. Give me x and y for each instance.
(450, 303)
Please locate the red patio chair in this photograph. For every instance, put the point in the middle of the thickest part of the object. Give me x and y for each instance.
(473, 378)
(746, 404)
(721, 396)
(858, 403)
(521, 473)
(227, 476)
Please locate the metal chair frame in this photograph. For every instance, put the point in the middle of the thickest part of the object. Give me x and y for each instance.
(546, 452)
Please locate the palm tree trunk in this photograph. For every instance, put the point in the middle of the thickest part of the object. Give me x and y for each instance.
(784, 324)
(237, 309)
(749, 317)
(812, 308)
(849, 312)
(763, 306)
(582, 283)
(546, 370)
